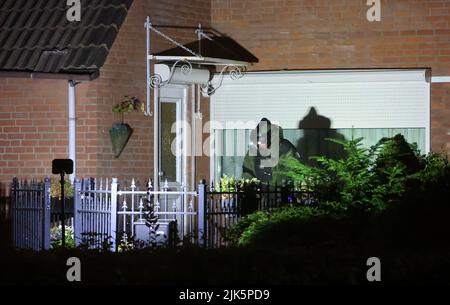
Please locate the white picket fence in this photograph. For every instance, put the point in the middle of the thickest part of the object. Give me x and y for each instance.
(107, 212)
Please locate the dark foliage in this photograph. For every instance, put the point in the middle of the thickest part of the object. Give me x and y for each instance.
(338, 264)
(407, 228)
(388, 196)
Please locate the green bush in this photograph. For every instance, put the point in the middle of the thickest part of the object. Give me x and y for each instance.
(229, 184)
(243, 225)
(55, 189)
(355, 181)
(435, 171)
(420, 220)
(396, 151)
(256, 227)
(387, 194)
(300, 227)
(56, 237)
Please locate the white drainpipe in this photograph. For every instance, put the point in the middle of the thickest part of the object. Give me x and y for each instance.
(72, 127)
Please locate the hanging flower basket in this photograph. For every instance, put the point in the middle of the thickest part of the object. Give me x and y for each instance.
(120, 133)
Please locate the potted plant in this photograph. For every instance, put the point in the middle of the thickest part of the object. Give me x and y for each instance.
(121, 132)
(243, 188)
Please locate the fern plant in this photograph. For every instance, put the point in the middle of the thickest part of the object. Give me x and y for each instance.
(151, 219)
(353, 182)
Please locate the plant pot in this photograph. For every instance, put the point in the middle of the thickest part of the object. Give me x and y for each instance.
(120, 133)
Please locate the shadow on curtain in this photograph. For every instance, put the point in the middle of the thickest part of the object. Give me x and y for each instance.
(316, 130)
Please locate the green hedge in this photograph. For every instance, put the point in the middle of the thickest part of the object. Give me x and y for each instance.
(388, 195)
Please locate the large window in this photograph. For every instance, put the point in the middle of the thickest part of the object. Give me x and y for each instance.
(232, 145)
(311, 106)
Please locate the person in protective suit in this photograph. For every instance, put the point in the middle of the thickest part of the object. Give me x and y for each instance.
(263, 156)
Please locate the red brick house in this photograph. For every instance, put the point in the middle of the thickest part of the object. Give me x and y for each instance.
(292, 40)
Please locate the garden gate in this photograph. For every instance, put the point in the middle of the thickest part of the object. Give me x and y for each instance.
(106, 215)
(30, 214)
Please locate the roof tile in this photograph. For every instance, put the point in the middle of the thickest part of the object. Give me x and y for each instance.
(35, 35)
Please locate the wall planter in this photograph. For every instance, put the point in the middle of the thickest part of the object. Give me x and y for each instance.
(120, 133)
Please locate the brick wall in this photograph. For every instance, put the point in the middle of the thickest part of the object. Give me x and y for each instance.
(320, 34)
(33, 113)
(33, 126)
(440, 117)
(283, 34)
(125, 73)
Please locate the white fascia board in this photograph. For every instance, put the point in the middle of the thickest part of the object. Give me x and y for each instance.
(440, 79)
(200, 60)
(329, 76)
(176, 58)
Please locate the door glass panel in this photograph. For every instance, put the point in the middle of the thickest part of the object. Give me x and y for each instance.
(168, 159)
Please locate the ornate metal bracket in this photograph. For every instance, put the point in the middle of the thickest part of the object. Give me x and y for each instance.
(235, 72)
(156, 81)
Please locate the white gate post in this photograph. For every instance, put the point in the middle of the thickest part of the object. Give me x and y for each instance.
(113, 213)
(77, 212)
(201, 225)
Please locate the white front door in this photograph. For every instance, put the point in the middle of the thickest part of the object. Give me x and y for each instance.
(171, 141)
(171, 156)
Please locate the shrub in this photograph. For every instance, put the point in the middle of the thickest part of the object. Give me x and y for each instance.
(95, 241)
(421, 218)
(56, 237)
(230, 184)
(237, 230)
(354, 182)
(55, 189)
(396, 151)
(388, 193)
(130, 244)
(436, 171)
(254, 228)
